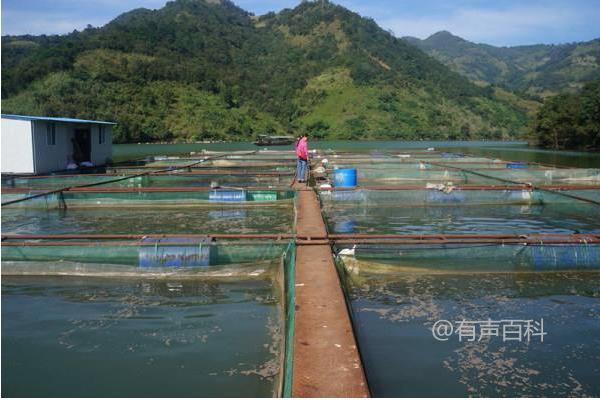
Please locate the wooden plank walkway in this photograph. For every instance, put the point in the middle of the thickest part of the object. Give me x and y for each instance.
(326, 359)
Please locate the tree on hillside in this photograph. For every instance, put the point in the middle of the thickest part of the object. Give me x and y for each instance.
(570, 121)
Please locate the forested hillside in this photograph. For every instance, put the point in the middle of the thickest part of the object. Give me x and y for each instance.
(570, 120)
(206, 69)
(538, 70)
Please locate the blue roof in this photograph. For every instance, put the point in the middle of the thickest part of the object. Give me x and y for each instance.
(74, 120)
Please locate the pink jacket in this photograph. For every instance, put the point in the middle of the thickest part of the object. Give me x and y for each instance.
(302, 149)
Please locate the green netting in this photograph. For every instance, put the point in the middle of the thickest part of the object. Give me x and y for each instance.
(270, 157)
(270, 218)
(417, 165)
(205, 180)
(408, 160)
(569, 176)
(162, 180)
(196, 157)
(593, 195)
(202, 265)
(56, 182)
(396, 311)
(271, 167)
(473, 220)
(290, 315)
(466, 258)
(150, 255)
(173, 257)
(432, 197)
(149, 199)
(411, 173)
(407, 177)
(221, 162)
(252, 163)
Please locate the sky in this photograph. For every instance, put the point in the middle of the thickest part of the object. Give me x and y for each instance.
(495, 22)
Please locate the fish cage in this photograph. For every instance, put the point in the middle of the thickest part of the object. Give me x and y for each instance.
(545, 293)
(182, 273)
(175, 179)
(183, 269)
(453, 238)
(219, 313)
(143, 197)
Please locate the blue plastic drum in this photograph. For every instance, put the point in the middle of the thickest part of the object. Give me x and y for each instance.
(345, 177)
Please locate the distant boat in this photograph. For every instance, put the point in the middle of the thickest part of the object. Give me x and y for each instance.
(265, 140)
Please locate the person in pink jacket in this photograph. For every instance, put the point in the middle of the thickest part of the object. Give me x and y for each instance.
(302, 154)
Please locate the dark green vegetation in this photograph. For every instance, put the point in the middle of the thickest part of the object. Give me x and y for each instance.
(538, 70)
(199, 69)
(567, 76)
(570, 121)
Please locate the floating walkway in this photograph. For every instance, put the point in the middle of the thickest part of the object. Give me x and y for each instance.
(326, 358)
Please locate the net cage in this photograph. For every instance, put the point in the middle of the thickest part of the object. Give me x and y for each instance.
(146, 254)
(225, 219)
(153, 223)
(453, 194)
(409, 159)
(482, 219)
(231, 167)
(395, 174)
(175, 179)
(444, 195)
(438, 213)
(252, 161)
(244, 155)
(112, 197)
(173, 257)
(414, 167)
(510, 256)
(424, 165)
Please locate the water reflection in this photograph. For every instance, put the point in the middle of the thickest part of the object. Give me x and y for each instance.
(481, 219)
(272, 219)
(140, 337)
(394, 314)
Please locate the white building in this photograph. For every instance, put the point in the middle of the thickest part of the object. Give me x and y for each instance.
(39, 145)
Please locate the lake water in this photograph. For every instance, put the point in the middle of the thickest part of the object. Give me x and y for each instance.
(90, 337)
(148, 220)
(198, 336)
(480, 219)
(394, 314)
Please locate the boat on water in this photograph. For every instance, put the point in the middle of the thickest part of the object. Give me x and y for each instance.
(266, 140)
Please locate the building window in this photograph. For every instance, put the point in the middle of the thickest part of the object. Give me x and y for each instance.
(101, 135)
(51, 134)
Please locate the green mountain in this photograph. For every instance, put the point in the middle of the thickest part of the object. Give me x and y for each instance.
(570, 120)
(206, 69)
(540, 70)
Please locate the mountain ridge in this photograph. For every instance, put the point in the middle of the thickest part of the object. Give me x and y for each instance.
(541, 70)
(197, 70)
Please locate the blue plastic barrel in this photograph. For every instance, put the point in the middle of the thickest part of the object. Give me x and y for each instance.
(185, 252)
(437, 197)
(226, 196)
(345, 226)
(578, 256)
(517, 165)
(344, 177)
